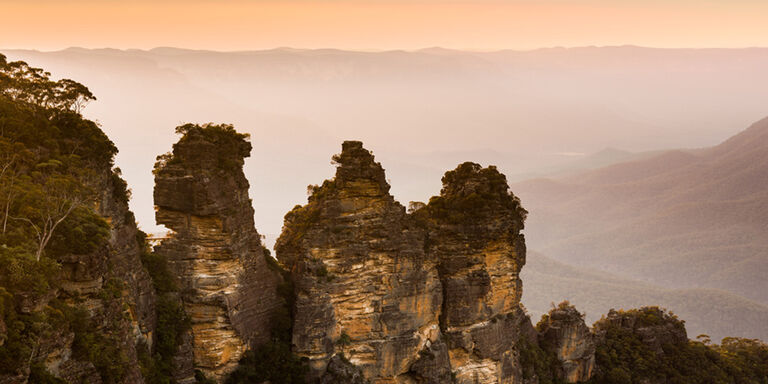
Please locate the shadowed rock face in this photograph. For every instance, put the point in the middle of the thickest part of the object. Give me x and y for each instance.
(227, 289)
(420, 297)
(364, 286)
(474, 233)
(564, 333)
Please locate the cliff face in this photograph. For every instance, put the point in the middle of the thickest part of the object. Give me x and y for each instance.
(364, 286)
(228, 291)
(114, 290)
(564, 333)
(474, 233)
(432, 296)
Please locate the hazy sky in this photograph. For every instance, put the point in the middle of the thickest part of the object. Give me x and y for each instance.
(381, 24)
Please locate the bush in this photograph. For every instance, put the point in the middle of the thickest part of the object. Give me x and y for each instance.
(471, 193)
(536, 362)
(97, 346)
(272, 362)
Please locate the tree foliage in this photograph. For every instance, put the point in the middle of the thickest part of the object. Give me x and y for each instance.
(208, 144)
(471, 193)
(624, 355)
(53, 165)
(21, 82)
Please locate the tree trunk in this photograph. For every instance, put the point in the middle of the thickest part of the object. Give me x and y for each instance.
(5, 218)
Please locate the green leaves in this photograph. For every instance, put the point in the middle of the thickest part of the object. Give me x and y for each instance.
(23, 83)
(623, 356)
(206, 144)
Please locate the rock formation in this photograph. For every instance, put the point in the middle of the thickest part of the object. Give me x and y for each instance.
(228, 291)
(564, 333)
(474, 233)
(365, 288)
(432, 296)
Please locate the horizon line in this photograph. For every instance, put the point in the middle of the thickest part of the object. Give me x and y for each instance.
(361, 50)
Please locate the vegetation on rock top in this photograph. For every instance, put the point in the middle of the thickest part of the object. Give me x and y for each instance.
(207, 146)
(472, 193)
(635, 347)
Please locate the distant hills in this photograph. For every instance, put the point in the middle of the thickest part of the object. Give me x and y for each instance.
(695, 221)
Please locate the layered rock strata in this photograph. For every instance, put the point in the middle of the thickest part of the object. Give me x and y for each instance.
(564, 333)
(364, 287)
(432, 296)
(474, 233)
(227, 290)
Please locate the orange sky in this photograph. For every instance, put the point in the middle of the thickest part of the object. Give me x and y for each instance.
(381, 24)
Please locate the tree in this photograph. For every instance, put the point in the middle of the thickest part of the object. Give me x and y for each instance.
(344, 341)
(13, 159)
(21, 82)
(51, 197)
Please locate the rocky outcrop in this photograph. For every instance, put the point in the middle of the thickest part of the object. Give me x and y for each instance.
(474, 234)
(432, 296)
(364, 286)
(228, 292)
(653, 326)
(564, 333)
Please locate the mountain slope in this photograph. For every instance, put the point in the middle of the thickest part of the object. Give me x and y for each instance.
(682, 219)
(713, 312)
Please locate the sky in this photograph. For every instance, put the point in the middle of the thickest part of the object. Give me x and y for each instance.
(381, 24)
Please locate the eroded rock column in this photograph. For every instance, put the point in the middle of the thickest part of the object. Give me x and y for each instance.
(474, 233)
(365, 288)
(228, 292)
(564, 333)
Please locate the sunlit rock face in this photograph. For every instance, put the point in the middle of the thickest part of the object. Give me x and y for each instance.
(474, 233)
(364, 286)
(228, 292)
(564, 333)
(431, 296)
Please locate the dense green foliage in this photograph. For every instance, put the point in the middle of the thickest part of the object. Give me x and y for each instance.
(53, 164)
(224, 147)
(100, 347)
(623, 356)
(536, 362)
(272, 362)
(470, 193)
